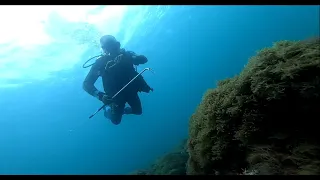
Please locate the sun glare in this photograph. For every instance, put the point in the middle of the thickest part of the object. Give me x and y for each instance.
(37, 40)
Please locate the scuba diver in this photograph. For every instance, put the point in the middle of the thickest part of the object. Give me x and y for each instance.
(116, 68)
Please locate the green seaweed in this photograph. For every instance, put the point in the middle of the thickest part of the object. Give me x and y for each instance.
(263, 120)
(173, 163)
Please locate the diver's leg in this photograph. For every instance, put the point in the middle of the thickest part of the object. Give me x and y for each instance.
(107, 112)
(115, 111)
(135, 105)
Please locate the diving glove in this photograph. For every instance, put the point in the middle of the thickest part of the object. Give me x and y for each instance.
(106, 99)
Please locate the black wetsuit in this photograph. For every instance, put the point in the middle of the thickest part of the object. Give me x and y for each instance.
(114, 79)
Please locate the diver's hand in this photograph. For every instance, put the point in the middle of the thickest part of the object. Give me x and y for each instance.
(106, 99)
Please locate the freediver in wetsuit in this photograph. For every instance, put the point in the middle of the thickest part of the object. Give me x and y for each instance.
(117, 69)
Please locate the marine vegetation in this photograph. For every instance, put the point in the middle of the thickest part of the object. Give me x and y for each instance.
(173, 163)
(264, 120)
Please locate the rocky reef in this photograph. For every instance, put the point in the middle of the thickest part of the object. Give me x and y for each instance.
(260, 122)
(264, 120)
(173, 163)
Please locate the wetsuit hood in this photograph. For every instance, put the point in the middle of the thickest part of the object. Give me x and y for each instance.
(109, 43)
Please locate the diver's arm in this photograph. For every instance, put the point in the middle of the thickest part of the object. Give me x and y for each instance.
(138, 59)
(91, 78)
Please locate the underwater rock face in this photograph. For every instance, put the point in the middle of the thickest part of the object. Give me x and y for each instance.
(173, 163)
(264, 120)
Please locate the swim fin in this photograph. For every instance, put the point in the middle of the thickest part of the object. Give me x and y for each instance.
(107, 112)
(127, 110)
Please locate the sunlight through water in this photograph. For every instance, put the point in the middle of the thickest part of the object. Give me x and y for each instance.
(37, 41)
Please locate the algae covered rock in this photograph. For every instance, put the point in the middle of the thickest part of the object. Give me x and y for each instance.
(263, 120)
(173, 163)
(140, 172)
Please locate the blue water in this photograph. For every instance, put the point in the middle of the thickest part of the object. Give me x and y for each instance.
(44, 125)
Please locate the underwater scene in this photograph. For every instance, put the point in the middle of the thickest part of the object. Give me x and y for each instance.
(159, 90)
